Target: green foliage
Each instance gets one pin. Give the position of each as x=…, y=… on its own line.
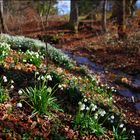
x=3, y=94
x=4, y=50
x=120, y=133
x=40, y=98
x=33, y=58
x=59, y=57
x=3, y=91
x=87, y=119
x=22, y=43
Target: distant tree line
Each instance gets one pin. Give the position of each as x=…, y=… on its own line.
x=121, y=10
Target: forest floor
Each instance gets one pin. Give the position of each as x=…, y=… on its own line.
x=102, y=49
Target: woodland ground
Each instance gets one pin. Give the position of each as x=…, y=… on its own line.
x=103, y=49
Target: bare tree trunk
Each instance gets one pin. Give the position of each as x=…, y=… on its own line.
x=104, y=16
x=121, y=18
x=48, y=11
x=74, y=15
x=132, y=7
x=1, y=17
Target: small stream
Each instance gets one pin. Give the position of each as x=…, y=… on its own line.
x=101, y=71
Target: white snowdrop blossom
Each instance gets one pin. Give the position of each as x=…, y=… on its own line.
x=93, y=107
x=133, y=138
x=124, y=129
x=5, y=79
x=132, y=131
x=19, y=105
x=12, y=87
x=12, y=82
x=82, y=107
x=49, y=77
x=60, y=86
x=24, y=60
x=87, y=108
x=102, y=112
x=85, y=100
x=112, y=117
x=111, y=121
x=96, y=116
x=20, y=92
x=79, y=103
x=121, y=125
x=42, y=77
x=38, y=78
x=37, y=73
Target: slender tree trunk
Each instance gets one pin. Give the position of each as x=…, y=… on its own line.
x=121, y=18
x=74, y=15
x=132, y=7
x=48, y=11
x=1, y=17
x=104, y=16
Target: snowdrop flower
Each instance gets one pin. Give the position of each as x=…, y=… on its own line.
x=102, y=113
x=12, y=82
x=38, y=78
x=111, y=121
x=96, y=116
x=12, y=87
x=124, y=129
x=115, y=90
x=132, y=131
x=20, y=92
x=87, y=108
x=133, y=138
x=5, y=79
x=82, y=107
x=24, y=60
x=80, y=103
x=42, y=77
x=112, y=117
x=94, y=107
x=121, y=125
x=37, y=73
x=49, y=77
x=60, y=86
x=85, y=100
x=19, y=105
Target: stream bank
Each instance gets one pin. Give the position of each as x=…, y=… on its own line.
x=125, y=85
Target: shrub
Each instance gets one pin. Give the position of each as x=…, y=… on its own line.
x=33, y=58
x=4, y=50
x=40, y=98
x=59, y=57
x=3, y=94
x=22, y=43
